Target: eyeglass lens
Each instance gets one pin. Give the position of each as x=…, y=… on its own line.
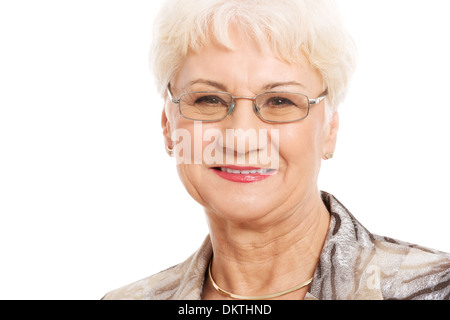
x=271, y=106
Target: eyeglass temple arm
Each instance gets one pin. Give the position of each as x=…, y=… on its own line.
x=319, y=99
x=170, y=96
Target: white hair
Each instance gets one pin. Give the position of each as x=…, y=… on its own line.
x=292, y=28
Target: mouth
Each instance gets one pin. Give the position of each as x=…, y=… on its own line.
x=244, y=174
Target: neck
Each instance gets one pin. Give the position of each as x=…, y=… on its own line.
x=269, y=256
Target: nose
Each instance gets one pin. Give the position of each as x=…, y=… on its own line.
x=247, y=106
x=242, y=114
x=241, y=126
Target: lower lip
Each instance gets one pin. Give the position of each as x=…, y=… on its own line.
x=244, y=178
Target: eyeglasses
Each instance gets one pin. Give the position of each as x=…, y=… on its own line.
x=273, y=106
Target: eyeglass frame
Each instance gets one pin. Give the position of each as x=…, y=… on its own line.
x=255, y=107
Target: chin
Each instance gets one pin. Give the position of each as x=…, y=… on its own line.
x=242, y=210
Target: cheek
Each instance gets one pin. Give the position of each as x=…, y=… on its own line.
x=188, y=139
x=300, y=161
x=192, y=140
x=300, y=146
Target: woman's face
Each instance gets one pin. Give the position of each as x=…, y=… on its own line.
x=247, y=71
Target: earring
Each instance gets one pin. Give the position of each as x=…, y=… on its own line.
x=328, y=156
x=169, y=151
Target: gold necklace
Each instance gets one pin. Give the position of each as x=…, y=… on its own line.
x=240, y=297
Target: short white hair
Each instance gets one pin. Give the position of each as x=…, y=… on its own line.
x=292, y=28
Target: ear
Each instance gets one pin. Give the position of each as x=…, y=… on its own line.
x=330, y=135
x=167, y=132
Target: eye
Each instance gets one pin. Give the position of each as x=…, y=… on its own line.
x=209, y=100
x=279, y=102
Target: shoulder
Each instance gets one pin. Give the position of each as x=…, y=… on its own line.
x=409, y=271
x=148, y=287
x=356, y=263
x=182, y=281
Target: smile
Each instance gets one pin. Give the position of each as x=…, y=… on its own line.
x=258, y=171
x=244, y=174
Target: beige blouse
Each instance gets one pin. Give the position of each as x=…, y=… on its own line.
x=354, y=264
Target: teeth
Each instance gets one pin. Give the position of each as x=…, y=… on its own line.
x=259, y=171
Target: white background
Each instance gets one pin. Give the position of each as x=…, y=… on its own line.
x=89, y=200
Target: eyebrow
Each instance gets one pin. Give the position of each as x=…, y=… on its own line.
x=222, y=87
x=218, y=85
x=272, y=85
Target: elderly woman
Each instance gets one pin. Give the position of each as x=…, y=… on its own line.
x=231, y=71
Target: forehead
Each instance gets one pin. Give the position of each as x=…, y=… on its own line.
x=245, y=66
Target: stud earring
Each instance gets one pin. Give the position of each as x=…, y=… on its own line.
x=328, y=156
x=169, y=151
